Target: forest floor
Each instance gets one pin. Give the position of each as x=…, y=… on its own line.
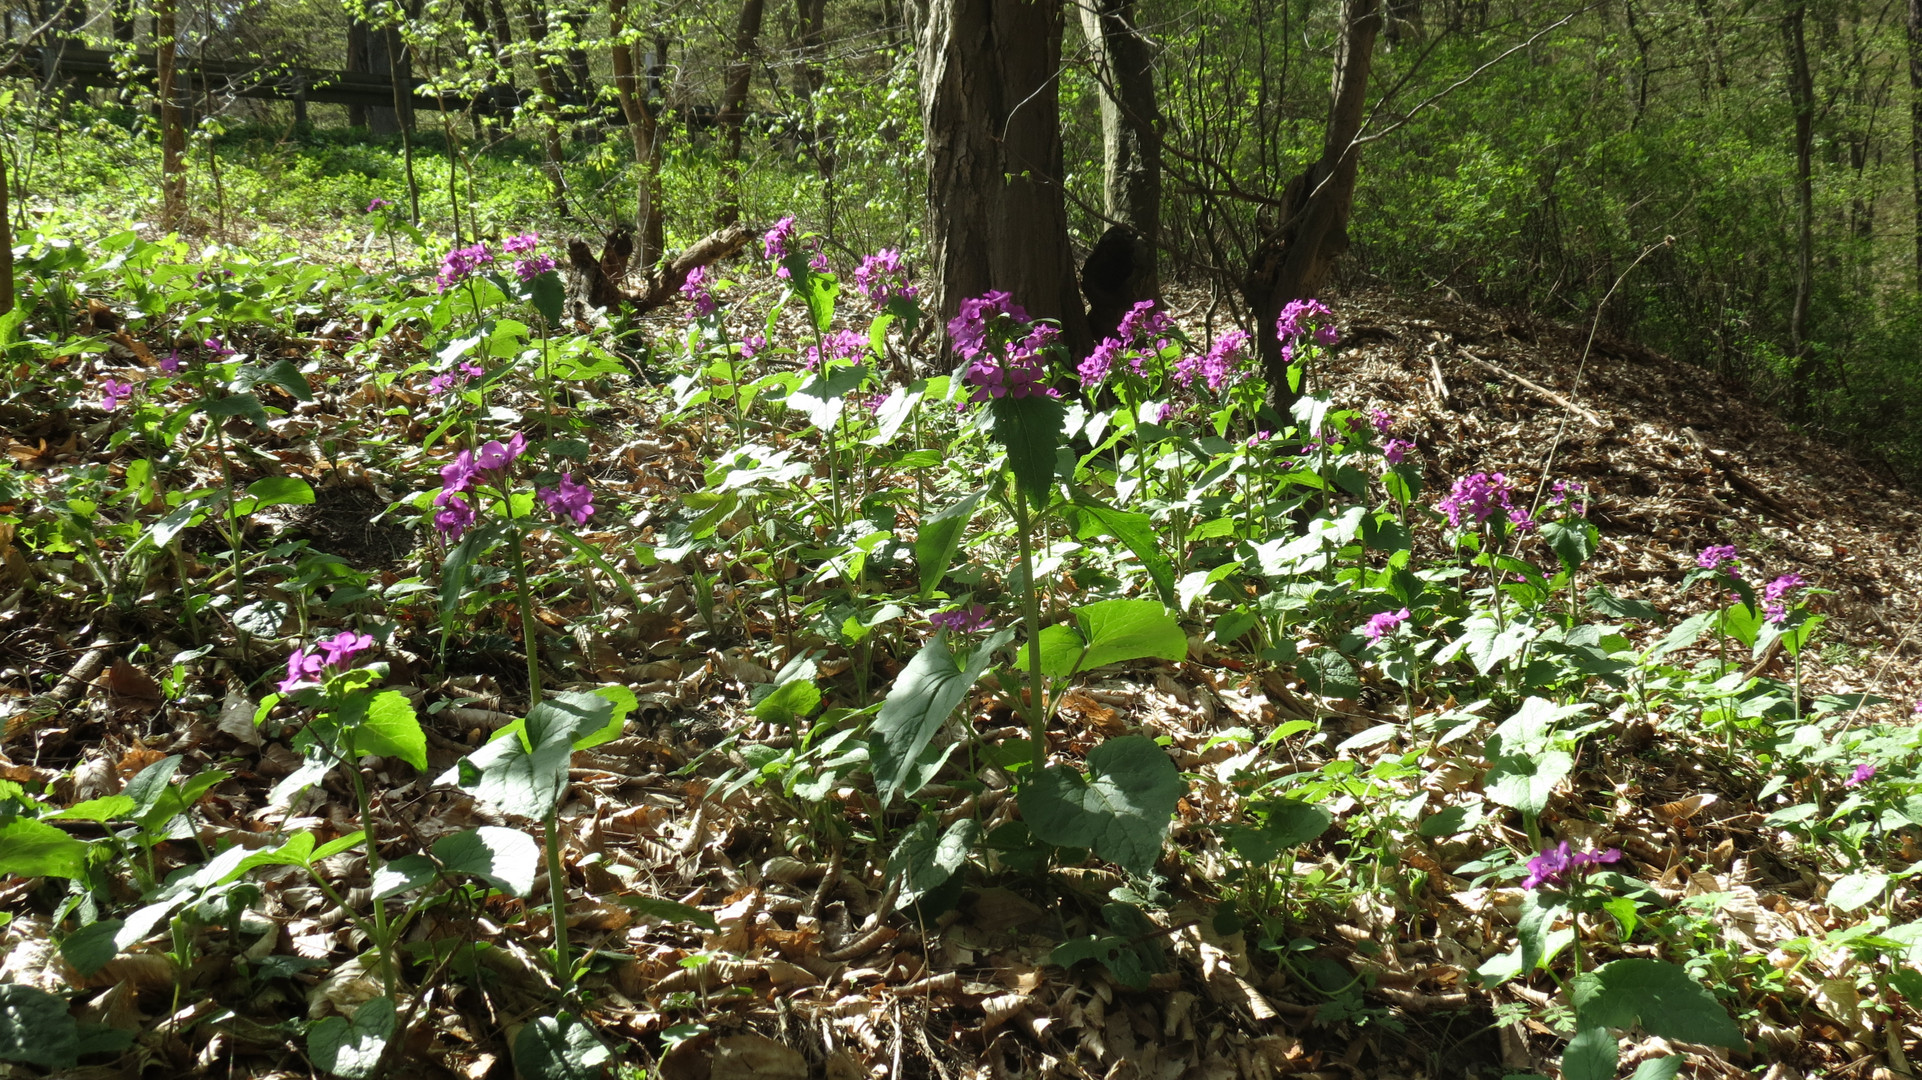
x=811, y=970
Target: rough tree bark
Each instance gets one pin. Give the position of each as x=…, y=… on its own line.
x=644, y=130
x=173, y=127
x=1130, y=131
x=740, y=71
x=1915, y=126
x=1802, y=101
x=1293, y=259
x=990, y=109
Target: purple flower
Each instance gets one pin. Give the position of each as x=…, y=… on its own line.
x=1862, y=774
x=1144, y=323
x=461, y=263
x=455, y=516
x=495, y=455
x=1381, y=419
x=1099, y=362
x=1383, y=623
x=969, y=329
x=881, y=278
x=695, y=289
x=303, y=670
x=515, y=245
x=1325, y=336
x=170, y=363
x=752, y=344
x=1294, y=322
x=1555, y=867
x=1395, y=450
x=378, y=204
x=819, y=263
x=533, y=266
x=774, y=243
x=840, y=345
x=570, y=499
x=1572, y=492
x=1221, y=364
x=1712, y=558
x=1476, y=497
x=342, y=646
x=962, y=620
x=113, y=392
x=216, y=349
x=458, y=475
x=456, y=378
x=1259, y=437
x=1775, y=596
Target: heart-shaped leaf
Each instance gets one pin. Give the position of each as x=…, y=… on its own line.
x=559, y=1048
x=507, y=859
x=1120, y=809
x=352, y=1049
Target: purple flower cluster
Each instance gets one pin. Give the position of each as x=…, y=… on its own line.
x=696, y=290
x=1145, y=323
x=1306, y=318
x=839, y=345
x=455, y=377
x=1476, y=497
x=1382, y=420
x=1383, y=623
x=1224, y=362
x=458, y=477
x=570, y=499
x=1099, y=362
x=1396, y=450
x=969, y=328
x=1775, y=596
x=461, y=263
x=1712, y=558
x=114, y=391
x=304, y=667
x=1023, y=373
x=528, y=266
x=962, y=620
x=1572, y=492
x=775, y=242
x=881, y=278
x=1555, y=867
x=378, y=204
x=1259, y=437
x=1863, y=774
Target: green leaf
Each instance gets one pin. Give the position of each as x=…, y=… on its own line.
x=242, y=405
x=1852, y=891
x=1526, y=783
x=1661, y=1068
x=104, y=808
x=1286, y=823
x=507, y=859
x=922, y=698
x=283, y=373
x=1029, y=429
x=1591, y=1055
x=1539, y=913
x=1662, y=997
x=1121, y=630
x=352, y=1049
x=29, y=848
x=671, y=911
x=1061, y=648
x=1136, y=532
x=453, y=580
x=405, y=874
x=389, y=728
x=939, y=538
x=549, y=296
x=1573, y=542
x=523, y=770
x=559, y=1048
x=36, y=1028
x=281, y=491
x=925, y=860
x=89, y=948
x=791, y=701
x=1607, y=603
x=1116, y=954
x=1120, y=809
x=1328, y=673
x=822, y=397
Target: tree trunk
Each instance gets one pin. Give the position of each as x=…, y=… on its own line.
x=1293, y=259
x=173, y=128
x=545, y=66
x=1130, y=131
x=733, y=109
x=1802, y=101
x=990, y=110
x=644, y=129
x=1915, y=126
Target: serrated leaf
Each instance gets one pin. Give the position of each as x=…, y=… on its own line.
x=1525, y=783
x=507, y=859
x=89, y=948
x=1660, y=996
x=36, y=1028
x=1136, y=533
x=559, y=1048
x=523, y=769
x=1852, y=891
x=549, y=295
x=925, y=859
x=1591, y=1055
x=1661, y=1068
x=1286, y=823
x=1029, y=428
x=1120, y=809
x=389, y=728
x=401, y=875
x=352, y=1049
x=1121, y=630
x=1328, y=673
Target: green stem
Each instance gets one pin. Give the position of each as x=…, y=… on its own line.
x=529, y=639
x=1031, y=620
x=381, y=940
x=557, y=899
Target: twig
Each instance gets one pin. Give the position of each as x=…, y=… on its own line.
x=1544, y=391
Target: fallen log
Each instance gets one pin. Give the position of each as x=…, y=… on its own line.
x=602, y=276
